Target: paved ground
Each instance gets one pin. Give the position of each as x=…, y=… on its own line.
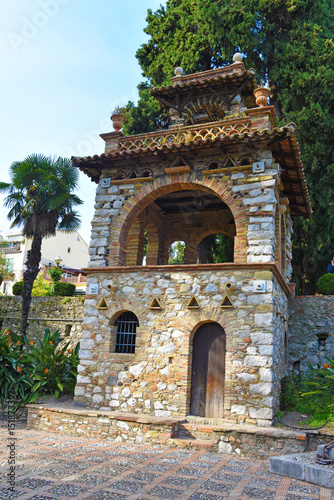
x=52, y=466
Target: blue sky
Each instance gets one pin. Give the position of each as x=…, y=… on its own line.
x=65, y=65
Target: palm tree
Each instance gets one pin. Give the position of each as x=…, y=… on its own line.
x=40, y=200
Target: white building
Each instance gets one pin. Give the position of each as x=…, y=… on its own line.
x=68, y=245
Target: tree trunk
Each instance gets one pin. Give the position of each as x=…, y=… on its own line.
x=29, y=276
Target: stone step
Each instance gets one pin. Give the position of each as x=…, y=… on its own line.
x=204, y=444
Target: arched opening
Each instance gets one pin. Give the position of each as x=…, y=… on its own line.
x=186, y=216
x=215, y=248
x=176, y=253
x=208, y=371
x=126, y=324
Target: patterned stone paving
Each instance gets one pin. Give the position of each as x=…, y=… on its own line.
x=51, y=466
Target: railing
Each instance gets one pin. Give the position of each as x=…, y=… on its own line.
x=11, y=248
x=74, y=279
x=185, y=135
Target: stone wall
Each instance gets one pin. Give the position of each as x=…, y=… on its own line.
x=57, y=313
x=311, y=331
x=156, y=379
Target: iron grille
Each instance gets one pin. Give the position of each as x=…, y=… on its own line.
x=126, y=324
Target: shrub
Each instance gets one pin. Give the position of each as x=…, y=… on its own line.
x=325, y=284
x=54, y=367
x=28, y=370
x=15, y=373
x=17, y=288
x=64, y=289
x=41, y=288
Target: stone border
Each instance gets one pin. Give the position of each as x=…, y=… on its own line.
x=228, y=438
x=293, y=466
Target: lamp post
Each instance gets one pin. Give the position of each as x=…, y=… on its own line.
x=58, y=260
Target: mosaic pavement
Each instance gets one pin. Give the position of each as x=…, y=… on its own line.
x=50, y=466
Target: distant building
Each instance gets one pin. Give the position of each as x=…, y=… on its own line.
x=68, y=246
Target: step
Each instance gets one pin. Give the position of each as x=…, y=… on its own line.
x=203, y=444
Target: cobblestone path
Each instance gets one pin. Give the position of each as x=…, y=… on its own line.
x=52, y=466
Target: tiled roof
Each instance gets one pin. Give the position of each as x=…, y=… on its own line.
x=281, y=141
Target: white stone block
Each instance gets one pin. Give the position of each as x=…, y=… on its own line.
x=161, y=386
x=262, y=389
x=264, y=413
x=258, y=361
x=132, y=402
x=268, y=402
x=83, y=380
x=85, y=354
x=158, y=405
x=266, y=374
x=238, y=409
x=163, y=413
x=166, y=348
x=266, y=350
x=114, y=403
x=123, y=425
x=263, y=319
x=87, y=344
x=79, y=391
x=126, y=392
x=246, y=377
x=136, y=369
x=97, y=399
x=225, y=448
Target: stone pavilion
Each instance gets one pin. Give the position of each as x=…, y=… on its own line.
x=201, y=339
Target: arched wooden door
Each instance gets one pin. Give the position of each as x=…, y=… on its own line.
x=208, y=371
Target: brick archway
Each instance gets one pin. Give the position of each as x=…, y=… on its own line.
x=146, y=194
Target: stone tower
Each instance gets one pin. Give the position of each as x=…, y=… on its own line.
x=205, y=339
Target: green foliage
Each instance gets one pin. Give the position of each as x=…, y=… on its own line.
x=322, y=382
x=15, y=374
x=28, y=370
x=41, y=288
x=53, y=365
x=325, y=284
x=290, y=44
x=294, y=397
x=55, y=273
x=5, y=273
x=17, y=288
x=64, y=289
x=176, y=253
x=220, y=248
x=40, y=200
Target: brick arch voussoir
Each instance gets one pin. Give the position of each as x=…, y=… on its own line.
x=147, y=194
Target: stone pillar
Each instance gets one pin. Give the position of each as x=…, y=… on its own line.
x=135, y=245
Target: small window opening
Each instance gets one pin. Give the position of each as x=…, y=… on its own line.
x=68, y=329
x=229, y=163
x=176, y=253
x=322, y=338
x=296, y=366
x=146, y=173
x=126, y=324
x=213, y=165
x=245, y=161
x=119, y=177
x=69, y=250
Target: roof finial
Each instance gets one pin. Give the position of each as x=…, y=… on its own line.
x=238, y=57
x=178, y=71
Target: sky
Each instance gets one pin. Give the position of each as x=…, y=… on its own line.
x=65, y=65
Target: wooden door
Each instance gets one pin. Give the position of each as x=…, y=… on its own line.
x=208, y=371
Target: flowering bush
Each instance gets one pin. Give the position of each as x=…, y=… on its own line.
x=28, y=370
x=323, y=382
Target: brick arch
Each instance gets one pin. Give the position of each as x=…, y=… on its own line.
x=212, y=101
x=148, y=193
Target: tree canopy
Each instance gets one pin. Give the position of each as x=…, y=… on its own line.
x=40, y=200
x=290, y=44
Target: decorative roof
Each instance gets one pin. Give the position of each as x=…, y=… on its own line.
x=223, y=135
x=226, y=83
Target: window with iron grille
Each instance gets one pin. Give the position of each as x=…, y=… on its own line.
x=126, y=324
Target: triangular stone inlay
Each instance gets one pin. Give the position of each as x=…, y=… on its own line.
x=226, y=302
x=155, y=304
x=102, y=304
x=179, y=161
x=193, y=304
